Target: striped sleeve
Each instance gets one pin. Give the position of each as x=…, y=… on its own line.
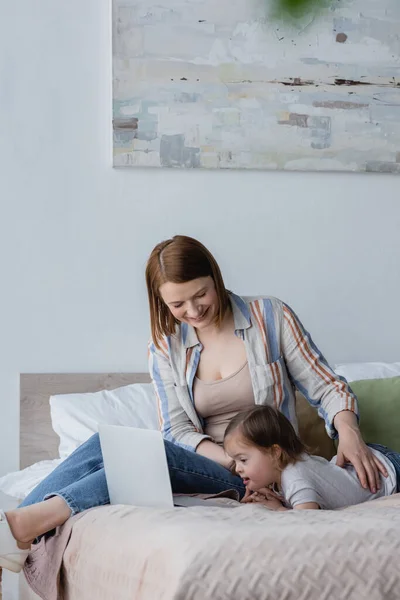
x=311, y=374
x=175, y=424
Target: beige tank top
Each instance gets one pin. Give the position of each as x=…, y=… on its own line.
x=217, y=402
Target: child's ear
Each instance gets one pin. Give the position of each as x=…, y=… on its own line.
x=277, y=451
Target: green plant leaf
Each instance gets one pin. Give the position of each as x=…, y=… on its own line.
x=295, y=9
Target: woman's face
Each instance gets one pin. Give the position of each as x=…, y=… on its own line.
x=194, y=302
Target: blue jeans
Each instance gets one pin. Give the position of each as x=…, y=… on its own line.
x=81, y=482
x=391, y=455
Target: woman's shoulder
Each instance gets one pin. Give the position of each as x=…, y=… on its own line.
x=259, y=309
x=255, y=299
x=258, y=301
x=161, y=346
x=167, y=343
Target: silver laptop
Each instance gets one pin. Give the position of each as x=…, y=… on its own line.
x=136, y=466
x=136, y=469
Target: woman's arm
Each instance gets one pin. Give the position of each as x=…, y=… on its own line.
x=352, y=449
x=331, y=396
x=175, y=423
x=312, y=375
x=211, y=450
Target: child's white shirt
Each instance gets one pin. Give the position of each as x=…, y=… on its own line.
x=314, y=479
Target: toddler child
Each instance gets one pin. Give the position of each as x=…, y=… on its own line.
x=267, y=454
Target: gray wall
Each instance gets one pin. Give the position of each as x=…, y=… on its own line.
x=75, y=234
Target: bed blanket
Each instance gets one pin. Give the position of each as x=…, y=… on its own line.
x=235, y=552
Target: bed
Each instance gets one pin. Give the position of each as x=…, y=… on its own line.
x=229, y=552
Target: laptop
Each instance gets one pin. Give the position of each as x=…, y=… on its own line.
x=136, y=466
x=136, y=469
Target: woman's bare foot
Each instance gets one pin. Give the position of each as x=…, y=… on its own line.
x=18, y=525
x=29, y=522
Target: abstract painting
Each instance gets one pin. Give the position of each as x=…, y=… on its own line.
x=218, y=84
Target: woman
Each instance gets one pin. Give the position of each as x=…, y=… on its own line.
x=212, y=354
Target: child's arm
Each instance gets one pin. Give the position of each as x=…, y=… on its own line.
x=266, y=497
x=271, y=501
x=300, y=489
x=307, y=506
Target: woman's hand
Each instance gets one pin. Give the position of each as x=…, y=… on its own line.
x=266, y=497
x=352, y=449
x=214, y=452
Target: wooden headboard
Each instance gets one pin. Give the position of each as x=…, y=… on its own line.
x=37, y=438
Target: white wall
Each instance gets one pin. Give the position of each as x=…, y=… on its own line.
x=75, y=234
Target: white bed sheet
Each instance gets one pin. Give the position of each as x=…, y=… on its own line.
x=20, y=483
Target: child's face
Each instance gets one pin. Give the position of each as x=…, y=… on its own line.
x=257, y=469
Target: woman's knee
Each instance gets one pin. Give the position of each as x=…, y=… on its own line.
x=170, y=448
x=88, y=451
x=93, y=443
x=95, y=439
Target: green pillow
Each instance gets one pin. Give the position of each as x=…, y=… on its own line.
x=379, y=405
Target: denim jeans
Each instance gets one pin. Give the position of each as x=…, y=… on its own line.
x=391, y=455
x=81, y=482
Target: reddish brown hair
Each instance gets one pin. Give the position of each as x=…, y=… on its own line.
x=265, y=427
x=179, y=260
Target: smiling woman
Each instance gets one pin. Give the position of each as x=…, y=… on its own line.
x=183, y=276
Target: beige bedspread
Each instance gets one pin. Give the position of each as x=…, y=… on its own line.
x=244, y=552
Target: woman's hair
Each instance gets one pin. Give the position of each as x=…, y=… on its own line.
x=264, y=427
x=179, y=260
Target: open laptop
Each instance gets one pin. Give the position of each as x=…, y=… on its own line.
x=136, y=466
x=136, y=469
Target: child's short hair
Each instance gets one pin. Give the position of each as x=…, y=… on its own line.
x=264, y=426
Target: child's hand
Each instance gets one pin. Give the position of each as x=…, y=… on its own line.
x=247, y=497
x=266, y=497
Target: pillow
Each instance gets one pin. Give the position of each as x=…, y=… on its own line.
x=312, y=430
x=20, y=483
x=379, y=405
x=76, y=417
x=368, y=370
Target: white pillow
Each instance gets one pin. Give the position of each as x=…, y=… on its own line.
x=368, y=370
x=76, y=417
